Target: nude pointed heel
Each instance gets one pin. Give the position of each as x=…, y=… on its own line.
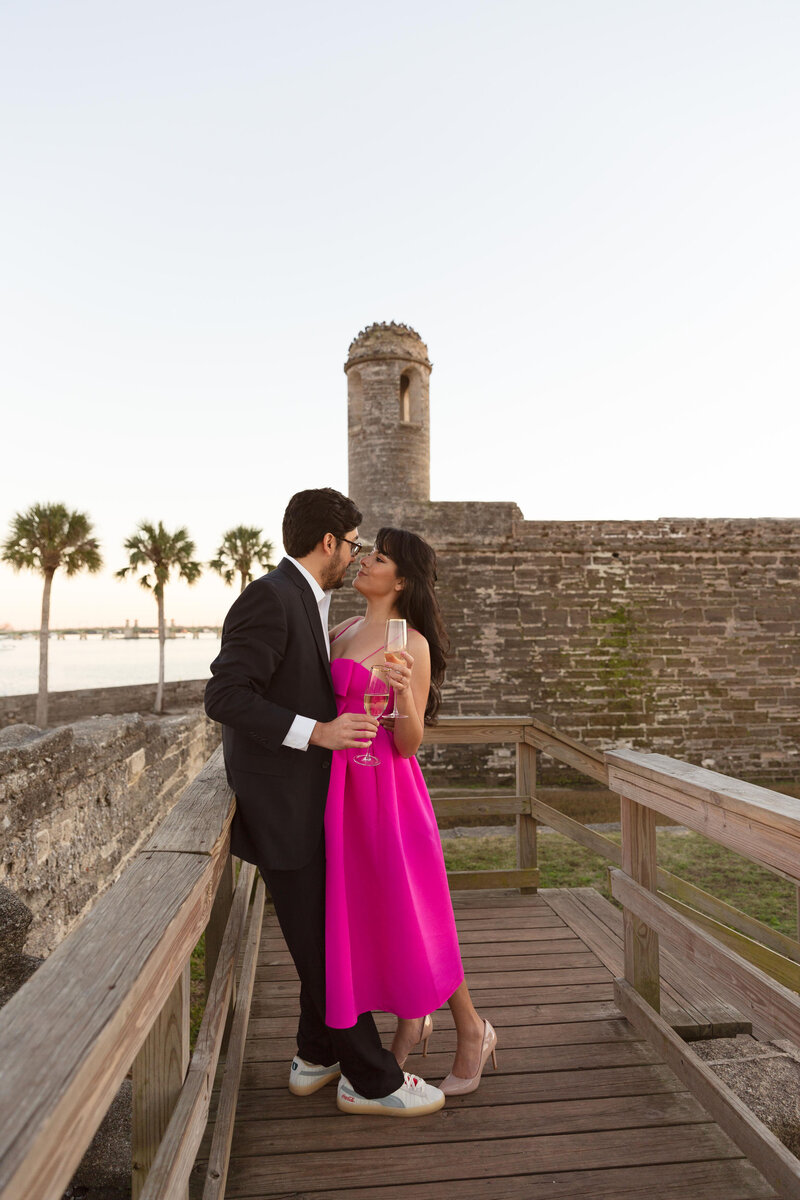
x=424, y=1038
x=454, y=1085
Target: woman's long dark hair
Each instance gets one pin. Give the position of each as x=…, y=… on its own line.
x=417, y=602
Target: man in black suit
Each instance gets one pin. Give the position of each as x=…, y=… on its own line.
x=271, y=690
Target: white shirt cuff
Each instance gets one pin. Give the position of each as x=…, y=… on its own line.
x=299, y=733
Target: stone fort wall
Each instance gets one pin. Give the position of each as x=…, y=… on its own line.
x=676, y=636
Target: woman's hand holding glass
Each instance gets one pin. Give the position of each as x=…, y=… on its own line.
x=398, y=674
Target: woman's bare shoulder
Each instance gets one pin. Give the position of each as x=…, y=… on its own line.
x=345, y=624
x=418, y=644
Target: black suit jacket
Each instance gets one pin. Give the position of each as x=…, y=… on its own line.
x=273, y=664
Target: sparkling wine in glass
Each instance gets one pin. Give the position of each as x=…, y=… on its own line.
x=393, y=642
x=376, y=697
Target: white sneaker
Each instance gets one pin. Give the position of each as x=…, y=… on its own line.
x=305, y=1077
x=414, y=1098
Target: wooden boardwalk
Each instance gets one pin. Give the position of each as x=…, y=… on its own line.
x=579, y=1107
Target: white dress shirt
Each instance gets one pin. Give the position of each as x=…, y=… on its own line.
x=302, y=727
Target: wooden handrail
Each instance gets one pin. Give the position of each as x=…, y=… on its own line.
x=757, y=823
x=97, y=996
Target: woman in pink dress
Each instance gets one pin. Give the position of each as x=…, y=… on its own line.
x=390, y=938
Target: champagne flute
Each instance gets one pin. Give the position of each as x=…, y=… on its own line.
x=394, y=642
x=376, y=697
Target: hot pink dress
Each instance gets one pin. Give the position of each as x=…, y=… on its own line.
x=390, y=934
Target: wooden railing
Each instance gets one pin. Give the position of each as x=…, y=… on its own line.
x=115, y=995
x=116, y=991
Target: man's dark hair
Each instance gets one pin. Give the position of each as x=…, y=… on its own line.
x=311, y=514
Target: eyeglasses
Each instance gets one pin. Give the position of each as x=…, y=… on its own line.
x=356, y=546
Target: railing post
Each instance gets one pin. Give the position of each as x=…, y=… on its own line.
x=527, y=851
x=159, y=1070
x=215, y=929
x=642, y=971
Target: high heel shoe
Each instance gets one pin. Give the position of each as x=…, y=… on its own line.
x=454, y=1085
x=424, y=1038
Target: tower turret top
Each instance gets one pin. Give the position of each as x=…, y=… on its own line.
x=387, y=339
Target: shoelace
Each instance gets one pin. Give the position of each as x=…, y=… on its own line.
x=412, y=1081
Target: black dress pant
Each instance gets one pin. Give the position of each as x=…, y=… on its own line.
x=299, y=898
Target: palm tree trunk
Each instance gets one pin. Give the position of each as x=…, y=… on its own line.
x=244, y=581
x=44, y=645
x=162, y=636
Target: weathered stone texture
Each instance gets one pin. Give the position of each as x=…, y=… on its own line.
x=76, y=802
x=676, y=636
x=64, y=707
x=388, y=416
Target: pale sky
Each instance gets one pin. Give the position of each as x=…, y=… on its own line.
x=587, y=208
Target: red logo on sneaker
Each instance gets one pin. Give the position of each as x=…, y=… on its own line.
x=349, y=1099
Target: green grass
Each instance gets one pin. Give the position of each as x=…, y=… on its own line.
x=563, y=863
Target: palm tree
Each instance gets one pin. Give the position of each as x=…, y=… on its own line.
x=44, y=538
x=153, y=548
x=239, y=549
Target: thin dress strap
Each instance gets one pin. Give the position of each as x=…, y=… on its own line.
x=361, y=661
x=341, y=631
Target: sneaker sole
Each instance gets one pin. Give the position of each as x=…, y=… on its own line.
x=371, y=1110
x=309, y=1088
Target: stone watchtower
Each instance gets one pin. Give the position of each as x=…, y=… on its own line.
x=388, y=409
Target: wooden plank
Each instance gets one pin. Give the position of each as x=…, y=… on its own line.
x=331, y=1133
x=218, y=922
x=497, y=1089
x=524, y=1061
x=589, y=838
x=450, y=731
x=565, y=749
x=310, y=1171
x=503, y=900
x=526, y=825
x=473, y=950
x=276, y=999
x=728, y=1179
x=61, y=1075
x=169, y=1174
x=589, y=1013
x=480, y=806
x=753, y=835
x=500, y=903
x=777, y=1164
x=505, y=966
x=202, y=815
x=280, y=1050
x=219, y=1157
x=723, y=792
x=770, y=1004
x=642, y=967
x=775, y=965
x=279, y=1044
x=462, y=880
x=545, y=921
x=671, y=887
x=158, y=1073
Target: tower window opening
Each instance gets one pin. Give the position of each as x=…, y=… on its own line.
x=405, y=399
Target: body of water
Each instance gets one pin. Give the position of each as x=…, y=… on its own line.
x=101, y=662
